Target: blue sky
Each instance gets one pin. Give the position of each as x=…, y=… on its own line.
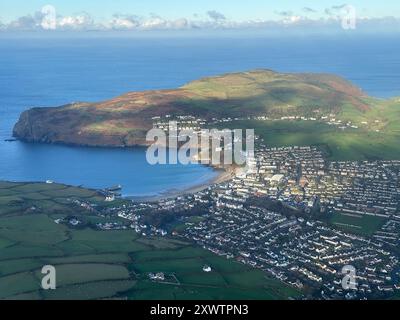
x=177, y=14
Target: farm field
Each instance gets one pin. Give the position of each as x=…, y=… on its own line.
x=339, y=145
x=94, y=264
x=227, y=280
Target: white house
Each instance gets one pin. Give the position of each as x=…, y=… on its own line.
x=207, y=268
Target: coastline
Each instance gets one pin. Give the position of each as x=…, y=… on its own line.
x=223, y=175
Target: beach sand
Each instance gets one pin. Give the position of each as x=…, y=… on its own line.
x=223, y=175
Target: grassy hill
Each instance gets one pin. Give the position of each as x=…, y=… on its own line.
x=262, y=91
x=124, y=121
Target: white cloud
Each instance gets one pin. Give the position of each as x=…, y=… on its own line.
x=79, y=22
x=209, y=20
x=121, y=22
x=39, y=21
x=28, y=22
x=293, y=19
x=180, y=24
x=154, y=23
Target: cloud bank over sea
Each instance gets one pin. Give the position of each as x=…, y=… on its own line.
x=307, y=19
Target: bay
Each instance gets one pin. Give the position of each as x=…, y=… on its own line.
x=52, y=71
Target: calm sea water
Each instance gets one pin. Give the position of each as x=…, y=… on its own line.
x=50, y=72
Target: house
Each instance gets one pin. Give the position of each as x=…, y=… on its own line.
x=207, y=268
x=277, y=178
x=157, y=277
x=110, y=198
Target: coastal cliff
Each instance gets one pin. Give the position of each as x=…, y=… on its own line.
x=124, y=120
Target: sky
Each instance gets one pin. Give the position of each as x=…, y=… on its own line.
x=188, y=14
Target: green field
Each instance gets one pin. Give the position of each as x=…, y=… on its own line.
x=228, y=279
x=94, y=264
x=344, y=145
x=364, y=224
x=21, y=198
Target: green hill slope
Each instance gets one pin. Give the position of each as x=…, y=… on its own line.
x=124, y=120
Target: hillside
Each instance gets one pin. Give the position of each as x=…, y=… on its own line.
x=124, y=120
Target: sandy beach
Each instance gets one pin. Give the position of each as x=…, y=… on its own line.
x=223, y=175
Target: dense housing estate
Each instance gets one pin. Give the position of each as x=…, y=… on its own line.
x=295, y=215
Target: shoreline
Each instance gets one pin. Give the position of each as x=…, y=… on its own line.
x=223, y=175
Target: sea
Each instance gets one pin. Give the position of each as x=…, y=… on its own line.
x=48, y=71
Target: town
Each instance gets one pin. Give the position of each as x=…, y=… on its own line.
x=293, y=214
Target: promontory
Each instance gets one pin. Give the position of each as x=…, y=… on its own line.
x=123, y=121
